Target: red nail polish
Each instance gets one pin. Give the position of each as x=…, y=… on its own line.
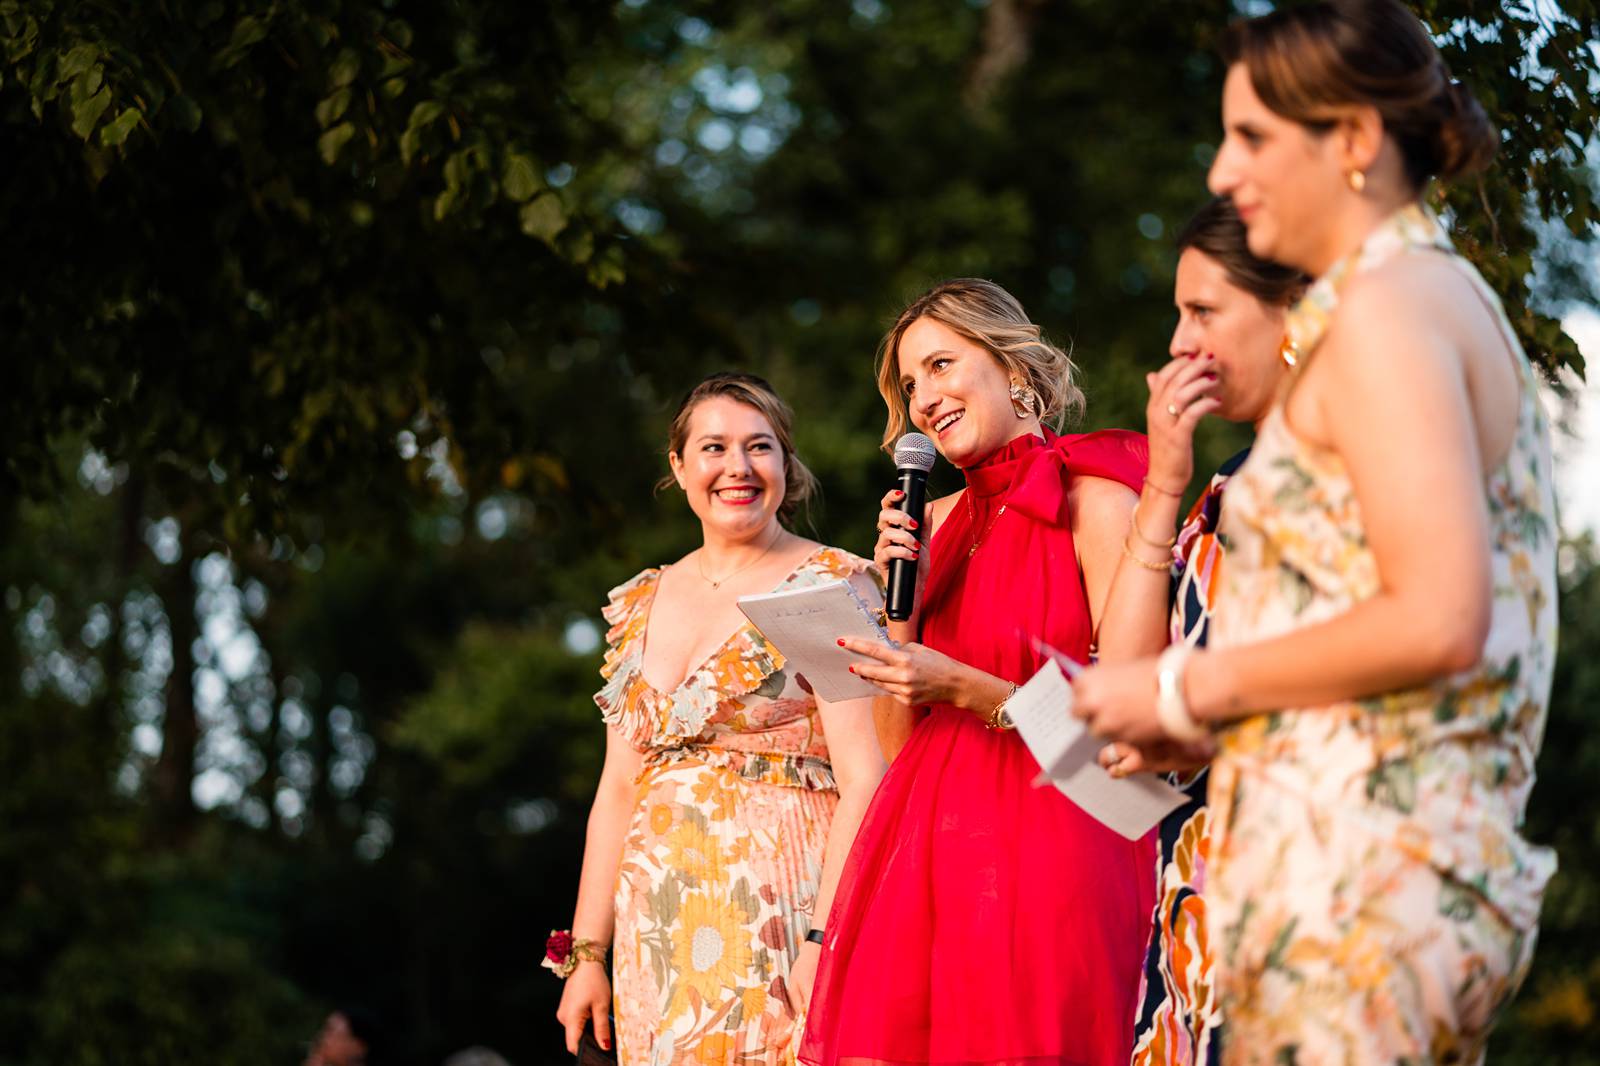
x=852, y=669
x=841, y=642
x=912, y=523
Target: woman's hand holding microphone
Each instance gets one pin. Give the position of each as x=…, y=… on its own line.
x=912, y=673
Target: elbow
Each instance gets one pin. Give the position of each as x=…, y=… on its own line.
x=1458, y=645
x=1455, y=656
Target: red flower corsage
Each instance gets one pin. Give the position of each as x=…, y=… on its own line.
x=563, y=952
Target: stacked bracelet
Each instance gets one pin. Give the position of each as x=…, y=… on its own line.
x=1133, y=520
x=563, y=952
x=1126, y=550
x=1164, y=492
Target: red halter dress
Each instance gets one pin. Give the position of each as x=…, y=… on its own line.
x=980, y=919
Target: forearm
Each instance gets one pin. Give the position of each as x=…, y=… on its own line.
x=1380, y=645
x=847, y=817
x=980, y=692
x=1134, y=622
x=594, y=917
x=893, y=722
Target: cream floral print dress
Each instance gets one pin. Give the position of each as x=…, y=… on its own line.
x=1369, y=896
x=723, y=859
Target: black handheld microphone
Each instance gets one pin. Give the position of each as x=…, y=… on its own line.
x=914, y=456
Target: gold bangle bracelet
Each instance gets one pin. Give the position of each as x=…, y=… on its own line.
x=1148, y=566
x=1133, y=520
x=1164, y=492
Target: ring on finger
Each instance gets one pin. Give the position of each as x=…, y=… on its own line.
x=1172, y=409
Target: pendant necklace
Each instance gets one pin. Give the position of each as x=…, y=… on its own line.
x=719, y=582
x=972, y=512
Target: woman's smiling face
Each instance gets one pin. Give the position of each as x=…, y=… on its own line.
x=731, y=468
x=957, y=392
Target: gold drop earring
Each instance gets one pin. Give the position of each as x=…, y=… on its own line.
x=1357, y=180
x=1289, y=352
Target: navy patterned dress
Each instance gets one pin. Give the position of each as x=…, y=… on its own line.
x=1179, y=1019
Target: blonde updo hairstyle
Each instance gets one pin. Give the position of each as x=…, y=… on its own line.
x=800, y=484
x=991, y=318
x=1307, y=62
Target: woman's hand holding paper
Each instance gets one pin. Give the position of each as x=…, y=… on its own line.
x=916, y=675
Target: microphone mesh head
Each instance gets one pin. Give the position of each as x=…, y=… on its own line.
x=915, y=451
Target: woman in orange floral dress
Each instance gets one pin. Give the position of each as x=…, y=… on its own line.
x=730, y=794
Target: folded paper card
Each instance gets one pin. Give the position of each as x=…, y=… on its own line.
x=805, y=624
x=1042, y=710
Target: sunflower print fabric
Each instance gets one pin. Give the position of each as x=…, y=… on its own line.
x=1369, y=896
x=723, y=857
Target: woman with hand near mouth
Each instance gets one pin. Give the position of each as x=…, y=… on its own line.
x=981, y=919
x=730, y=794
x=1380, y=664
x=1230, y=356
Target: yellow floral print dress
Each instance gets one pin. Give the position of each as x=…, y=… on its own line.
x=1369, y=896
x=723, y=858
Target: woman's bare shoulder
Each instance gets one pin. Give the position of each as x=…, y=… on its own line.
x=940, y=509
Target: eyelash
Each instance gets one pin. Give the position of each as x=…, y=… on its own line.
x=761, y=445
x=911, y=386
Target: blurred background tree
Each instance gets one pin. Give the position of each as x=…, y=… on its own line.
x=341, y=340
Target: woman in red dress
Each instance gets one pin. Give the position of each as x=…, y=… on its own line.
x=980, y=919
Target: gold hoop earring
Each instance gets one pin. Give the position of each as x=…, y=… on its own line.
x=1289, y=352
x=1357, y=179
x=1023, y=399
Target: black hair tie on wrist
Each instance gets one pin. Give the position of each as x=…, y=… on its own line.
x=814, y=936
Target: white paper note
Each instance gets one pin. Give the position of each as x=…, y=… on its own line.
x=805, y=624
x=1042, y=710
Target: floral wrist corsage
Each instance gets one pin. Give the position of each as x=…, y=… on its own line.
x=563, y=952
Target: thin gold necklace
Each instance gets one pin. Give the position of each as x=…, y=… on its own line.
x=972, y=513
x=719, y=582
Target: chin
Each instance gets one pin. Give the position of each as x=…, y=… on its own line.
x=1260, y=240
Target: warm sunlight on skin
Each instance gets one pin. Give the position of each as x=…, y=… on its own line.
x=958, y=393
x=1217, y=318
x=731, y=469
x=1280, y=176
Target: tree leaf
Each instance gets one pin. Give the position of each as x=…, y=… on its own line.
x=344, y=69
x=521, y=179
x=543, y=218
x=332, y=107
x=77, y=61
x=424, y=113
x=116, y=131
x=399, y=32
x=331, y=143
x=87, y=84
x=86, y=114
x=445, y=202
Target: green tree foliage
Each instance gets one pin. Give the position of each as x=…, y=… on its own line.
x=341, y=336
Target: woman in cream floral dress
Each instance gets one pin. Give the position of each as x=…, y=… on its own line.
x=1383, y=643
x=729, y=799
